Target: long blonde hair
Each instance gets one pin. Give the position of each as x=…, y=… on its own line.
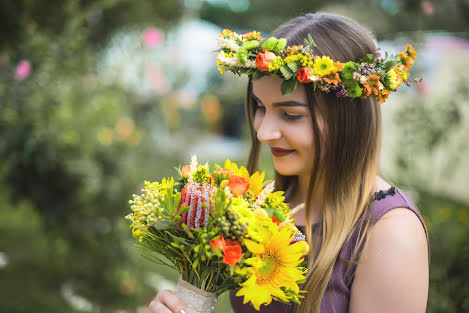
x=351, y=144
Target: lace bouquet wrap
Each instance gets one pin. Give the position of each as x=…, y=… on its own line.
x=221, y=229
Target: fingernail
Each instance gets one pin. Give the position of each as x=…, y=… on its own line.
x=182, y=311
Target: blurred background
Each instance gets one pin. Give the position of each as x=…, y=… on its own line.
x=98, y=96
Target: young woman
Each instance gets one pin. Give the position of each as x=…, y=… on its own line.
x=370, y=249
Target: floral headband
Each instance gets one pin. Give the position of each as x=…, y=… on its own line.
x=250, y=54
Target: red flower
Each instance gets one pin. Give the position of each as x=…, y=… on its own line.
x=238, y=184
x=185, y=170
x=264, y=59
x=275, y=220
x=218, y=244
x=305, y=74
x=232, y=253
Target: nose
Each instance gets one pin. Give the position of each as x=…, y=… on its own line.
x=268, y=129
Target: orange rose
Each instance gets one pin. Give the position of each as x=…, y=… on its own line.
x=232, y=254
x=264, y=59
x=223, y=171
x=306, y=75
x=185, y=170
x=218, y=244
x=238, y=184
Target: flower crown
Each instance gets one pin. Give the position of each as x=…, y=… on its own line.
x=250, y=54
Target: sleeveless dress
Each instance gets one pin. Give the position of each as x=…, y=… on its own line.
x=337, y=295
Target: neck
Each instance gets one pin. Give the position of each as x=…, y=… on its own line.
x=316, y=204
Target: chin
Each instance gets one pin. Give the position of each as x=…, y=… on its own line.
x=285, y=169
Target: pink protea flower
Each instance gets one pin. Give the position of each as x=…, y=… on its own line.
x=152, y=37
x=23, y=69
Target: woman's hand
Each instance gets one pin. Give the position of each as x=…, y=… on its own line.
x=166, y=301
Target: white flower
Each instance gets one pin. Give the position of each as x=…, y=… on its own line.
x=363, y=79
x=315, y=78
x=233, y=61
x=193, y=166
x=265, y=192
x=227, y=43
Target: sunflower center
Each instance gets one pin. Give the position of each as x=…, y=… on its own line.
x=269, y=267
x=324, y=66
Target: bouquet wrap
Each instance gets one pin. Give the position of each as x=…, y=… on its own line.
x=195, y=299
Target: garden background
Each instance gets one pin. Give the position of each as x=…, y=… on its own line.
x=98, y=96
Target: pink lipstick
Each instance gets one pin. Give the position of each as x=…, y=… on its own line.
x=279, y=152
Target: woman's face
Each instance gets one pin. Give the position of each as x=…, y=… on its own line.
x=284, y=123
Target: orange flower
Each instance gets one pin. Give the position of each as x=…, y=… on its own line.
x=337, y=67
x=383, y=95
x=238, y=185
x=185, y=170
x=232, y=253
x=306, y=75
x=218, y=244
x=264, y=59
x=223, y=171
x=410, y=51
x=373, y=80
x=293, y=49
x=332, y=78
x=252, y=35
x=366, y=91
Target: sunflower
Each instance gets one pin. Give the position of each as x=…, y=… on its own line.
x=274, y=266
x=323, y=65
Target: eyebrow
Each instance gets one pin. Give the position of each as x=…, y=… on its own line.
x=287, y=103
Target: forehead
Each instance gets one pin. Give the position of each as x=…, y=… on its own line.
x=267, y=89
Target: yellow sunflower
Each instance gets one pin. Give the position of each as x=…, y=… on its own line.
x=323, y=65
x=273, y=266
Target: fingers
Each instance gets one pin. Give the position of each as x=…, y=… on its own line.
x=167, y=302
x=158, y=307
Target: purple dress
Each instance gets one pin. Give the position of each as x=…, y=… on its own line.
x=337, y=295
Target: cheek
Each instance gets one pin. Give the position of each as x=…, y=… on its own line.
x=257, y=120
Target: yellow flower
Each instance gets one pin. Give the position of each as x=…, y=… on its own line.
x=241, y=206
x=276, y=63
x=242, y=171
x=273, y=267
x=323, y=65
x=392, y=77
x=257, y=183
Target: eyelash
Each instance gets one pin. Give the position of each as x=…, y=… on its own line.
x=289, y=117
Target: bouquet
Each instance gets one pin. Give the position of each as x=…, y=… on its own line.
x=221, y=229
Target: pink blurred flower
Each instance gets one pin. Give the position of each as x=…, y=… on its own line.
x=152, y=37
x=22, y=70
x=423, y=89
x=427, y=7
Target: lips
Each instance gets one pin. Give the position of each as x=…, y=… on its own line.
x=279, y=152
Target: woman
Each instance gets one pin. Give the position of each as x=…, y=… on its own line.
x=370, y=250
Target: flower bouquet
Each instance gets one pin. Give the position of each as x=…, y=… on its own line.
x=221, y=229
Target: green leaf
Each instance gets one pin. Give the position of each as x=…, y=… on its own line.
x=164, y=224
x=369, y=58
x=309, y=42
x=257, y=75
x=293, y=66
x=286, y=72
x=288, y=86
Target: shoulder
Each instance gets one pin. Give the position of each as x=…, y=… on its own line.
x=392, y=274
